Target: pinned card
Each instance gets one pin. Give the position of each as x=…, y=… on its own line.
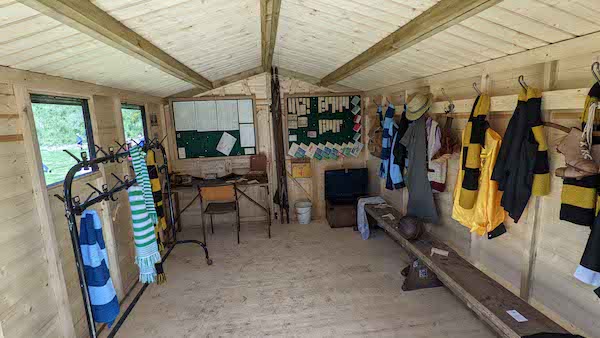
x=357, y=118
x=312, y=149
x=293, y=138
x=357, y=127
x=303, y=122
x=319, y=152
x=293, y=149
x=356, y=137
x=355, y=100
x=292, y=124
x=311, y=134
x=356, y=110
x=358, y=147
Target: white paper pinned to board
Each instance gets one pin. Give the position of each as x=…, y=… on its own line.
x=226, y=144
x=181, y=152
x=227, y=115
x=247, y=137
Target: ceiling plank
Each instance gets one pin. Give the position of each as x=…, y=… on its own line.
x=439, y=17
x=220, y=83
x=85, y=17
x=269, y=22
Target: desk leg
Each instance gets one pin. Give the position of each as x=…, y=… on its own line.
x=268, y=211
x=177, y=211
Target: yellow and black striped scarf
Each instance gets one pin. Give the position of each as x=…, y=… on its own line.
x=541, y=168
x=579, y=198
x=473, y=141
x=156, y=191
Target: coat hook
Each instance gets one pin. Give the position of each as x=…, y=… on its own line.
x=522, y=82
x=476, y=89
x=450, y=108
x=596, y=70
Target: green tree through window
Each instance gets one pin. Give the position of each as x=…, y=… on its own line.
x=133, y=122
x=61, y=125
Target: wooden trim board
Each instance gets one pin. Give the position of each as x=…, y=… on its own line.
x=483, y=295
x=269, y=20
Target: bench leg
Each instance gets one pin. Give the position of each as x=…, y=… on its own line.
x=212, y=228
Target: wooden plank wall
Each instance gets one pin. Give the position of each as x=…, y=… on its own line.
x=536, y=259
x=40, y=298
x=299, y=189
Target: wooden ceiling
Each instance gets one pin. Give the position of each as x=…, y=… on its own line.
x=218, y=39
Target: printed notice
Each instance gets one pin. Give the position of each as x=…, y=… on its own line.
x=181, y=152
x=517, y=316
x=226, y=144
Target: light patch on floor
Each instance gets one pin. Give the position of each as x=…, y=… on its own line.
x=307, y=281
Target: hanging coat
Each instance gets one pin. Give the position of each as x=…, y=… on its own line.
x=486, y=215
x=420, y=195
x=522, y=167
x=389, y=170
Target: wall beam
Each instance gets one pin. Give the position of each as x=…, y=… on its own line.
x=87, y=18
x=439, y=17
x=269, y=22
x=221, y=83
x=560, y=50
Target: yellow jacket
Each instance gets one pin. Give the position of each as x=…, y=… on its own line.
x=487, y=213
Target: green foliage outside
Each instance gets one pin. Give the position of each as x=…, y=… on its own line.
x=132, y=123
x=57, y=129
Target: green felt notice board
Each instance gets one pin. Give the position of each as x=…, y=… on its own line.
x=323, y=108
x=202, y=123
x=204, y=144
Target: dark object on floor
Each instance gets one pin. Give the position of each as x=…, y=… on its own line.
x=419, y=277
x=553, y=335
x=343, y=188
x=341, y=214
x=411, y=227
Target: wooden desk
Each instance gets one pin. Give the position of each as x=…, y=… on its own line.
x=241, y=187
x=483, y=295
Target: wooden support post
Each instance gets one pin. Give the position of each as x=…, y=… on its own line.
x=56, y=277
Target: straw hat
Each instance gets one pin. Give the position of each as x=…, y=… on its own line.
x=418, y=104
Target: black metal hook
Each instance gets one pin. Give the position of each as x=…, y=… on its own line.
x=89, y=197
x=596, y=70
x=73, y=156
x=476, y=88
x=62, y=199
x=117, y=177
x=100, y=150
x=522, y=82
x=95, y=189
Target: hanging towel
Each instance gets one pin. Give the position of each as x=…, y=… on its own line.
x=103, y=298
x=361, y=215
x=141, y=174
x=146, y=248
x=437, y=168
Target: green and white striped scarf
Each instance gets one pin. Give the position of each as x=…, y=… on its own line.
x=141, y=175
x=146, y=248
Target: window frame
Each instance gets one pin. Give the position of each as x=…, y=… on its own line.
x=142, y=108
x=84, y=103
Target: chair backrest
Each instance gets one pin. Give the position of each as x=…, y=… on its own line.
x=224, y=193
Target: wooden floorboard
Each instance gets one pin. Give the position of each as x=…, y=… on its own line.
x=308, y=280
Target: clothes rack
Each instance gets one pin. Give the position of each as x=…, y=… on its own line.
x=75, y=207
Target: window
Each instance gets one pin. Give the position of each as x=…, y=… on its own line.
x=62, y=123
x=134, y=122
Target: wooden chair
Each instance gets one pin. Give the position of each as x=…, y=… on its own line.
x=220, y=200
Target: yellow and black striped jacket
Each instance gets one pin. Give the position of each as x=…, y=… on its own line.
x=579, y=198
x=473, y=141
x=522, y=168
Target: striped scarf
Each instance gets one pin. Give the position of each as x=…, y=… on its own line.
x=146, y=248
x=156, y=190
x=141, y=175
x=103, y=298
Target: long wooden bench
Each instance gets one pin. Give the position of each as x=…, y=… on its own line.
x=486, y=297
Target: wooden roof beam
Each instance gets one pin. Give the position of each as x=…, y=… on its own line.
x=269, y=22
x=87, y=18
x=439, y=17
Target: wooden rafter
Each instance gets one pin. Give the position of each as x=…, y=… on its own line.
x=269, y=22
x=439, y=17
x=87, y=18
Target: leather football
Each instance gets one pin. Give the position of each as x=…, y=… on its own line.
x=410, y=227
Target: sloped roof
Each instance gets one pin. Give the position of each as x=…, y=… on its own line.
x=218, y=39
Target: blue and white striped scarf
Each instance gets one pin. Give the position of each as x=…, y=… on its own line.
x=103, y=298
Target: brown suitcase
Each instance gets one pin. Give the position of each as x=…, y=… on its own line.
x=341, y=215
